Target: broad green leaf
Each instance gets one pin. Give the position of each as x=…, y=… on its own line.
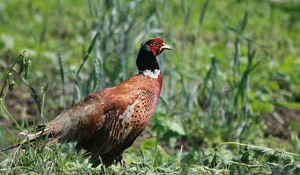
x=176, y=127
x=149, y=144
x=290, y=105
x=261, y=106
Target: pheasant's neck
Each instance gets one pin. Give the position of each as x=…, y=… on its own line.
x=147, y=62
x=148, y=65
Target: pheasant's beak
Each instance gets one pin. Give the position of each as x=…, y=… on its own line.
x=165, y=46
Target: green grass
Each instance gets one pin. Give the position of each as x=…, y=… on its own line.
x=235, y=66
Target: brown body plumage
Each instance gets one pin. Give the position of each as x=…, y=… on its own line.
x=108, y=121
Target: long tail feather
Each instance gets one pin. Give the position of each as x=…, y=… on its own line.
x=40, y=135
x=11, y=147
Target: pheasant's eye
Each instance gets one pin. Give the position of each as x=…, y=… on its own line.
x=154, y=44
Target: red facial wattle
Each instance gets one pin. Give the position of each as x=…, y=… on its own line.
x=155, y=50
x=157, y=46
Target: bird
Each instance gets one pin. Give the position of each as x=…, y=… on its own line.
x=108, y=121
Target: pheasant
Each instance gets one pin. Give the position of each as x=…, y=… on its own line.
x=108, y=121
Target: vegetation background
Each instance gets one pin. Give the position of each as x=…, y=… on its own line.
x=230, y=102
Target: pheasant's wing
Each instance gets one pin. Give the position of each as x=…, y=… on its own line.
x=103, y=125
x=124, y=120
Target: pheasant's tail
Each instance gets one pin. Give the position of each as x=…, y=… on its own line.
x=11, y=147
x=41, y=136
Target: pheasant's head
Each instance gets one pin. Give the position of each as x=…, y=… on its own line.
x=156, y=46
x=149, y=50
